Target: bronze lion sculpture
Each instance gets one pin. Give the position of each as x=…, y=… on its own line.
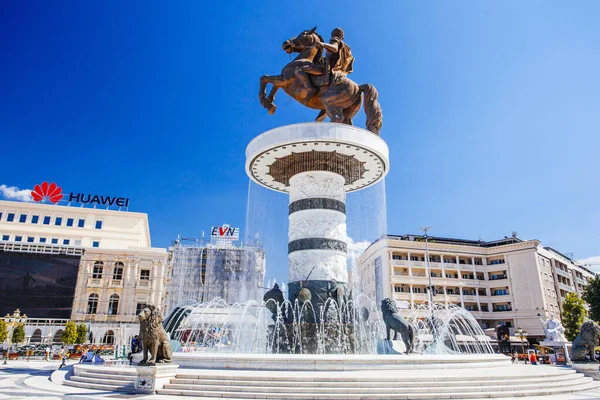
x=155, y=339
x=394, y=321
x=585, y=342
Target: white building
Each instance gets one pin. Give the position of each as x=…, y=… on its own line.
x=507, y=281
x=90, y=265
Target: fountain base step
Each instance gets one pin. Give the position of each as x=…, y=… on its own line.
x=497, y=380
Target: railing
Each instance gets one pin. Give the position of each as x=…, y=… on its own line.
x=115, y=283
x=563, y=273
x=94, y=282
x=566, y=287
x=581, y=281
x=418, y=263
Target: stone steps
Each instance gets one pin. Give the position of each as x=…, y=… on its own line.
x=404, y=382
x=86, y=374
x=97, y=386
x=463, y=387
x=104, y=381
x=432, y=394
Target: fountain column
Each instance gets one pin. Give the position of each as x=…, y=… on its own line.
x=317, y=163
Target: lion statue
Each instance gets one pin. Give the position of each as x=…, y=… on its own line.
x=585, y=342
x=155, y=339
x=394, y=321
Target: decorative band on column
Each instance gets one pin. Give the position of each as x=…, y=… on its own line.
x=319, y=203
x=317, y=244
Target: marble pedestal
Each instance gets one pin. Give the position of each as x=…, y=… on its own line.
x=152, y=378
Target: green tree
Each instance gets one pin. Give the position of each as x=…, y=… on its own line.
x=81, y=334
x=69, y=335
x=18, y=334
x=3, y=330
x=573, y=315
x=592, y=296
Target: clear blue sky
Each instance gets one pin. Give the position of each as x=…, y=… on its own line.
x=491, y=109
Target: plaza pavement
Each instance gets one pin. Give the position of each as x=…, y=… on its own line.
x=22, y=379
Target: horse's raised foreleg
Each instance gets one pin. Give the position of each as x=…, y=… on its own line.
x=321, y=116
x=267, y=102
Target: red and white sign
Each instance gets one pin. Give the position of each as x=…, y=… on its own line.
x=224, y=232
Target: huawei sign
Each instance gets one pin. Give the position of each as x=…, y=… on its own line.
x=50, y=191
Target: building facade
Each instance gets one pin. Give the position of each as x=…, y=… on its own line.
x=203, y=272
x=91, y=265
x=510, y=281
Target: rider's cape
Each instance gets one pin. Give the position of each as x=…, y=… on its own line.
x=344, y=57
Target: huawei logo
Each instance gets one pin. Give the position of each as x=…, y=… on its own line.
x=51, y=191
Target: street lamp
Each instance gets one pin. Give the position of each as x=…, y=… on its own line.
x=522, y=335
x=430, y=288
x=11, y=321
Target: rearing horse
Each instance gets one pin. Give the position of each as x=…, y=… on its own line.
x=339, y=101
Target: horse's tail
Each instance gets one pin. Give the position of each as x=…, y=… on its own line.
x=411, y=338
x=372, y=108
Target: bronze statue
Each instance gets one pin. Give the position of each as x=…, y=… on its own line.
x=585, y=343
x=155, y=339
x=322, y=84
x=394, y=321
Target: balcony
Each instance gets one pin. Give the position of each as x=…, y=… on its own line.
x=435, y=264
x=418, y=263
x=563, y=273
x=94, y=282
x=566, y=287
x=144, y=284
x=581, y=281
x=420, y=296
x=400, y=263
x=115, y=283
x=470, y=298
x=453, y=298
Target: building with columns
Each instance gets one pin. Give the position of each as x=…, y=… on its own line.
x=510, y=281
x=94, y=266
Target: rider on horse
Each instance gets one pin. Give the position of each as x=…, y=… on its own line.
x=339, y=62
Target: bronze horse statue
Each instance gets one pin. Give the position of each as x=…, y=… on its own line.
x=338, y=99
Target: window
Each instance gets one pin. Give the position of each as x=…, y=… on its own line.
x=35, y=219
x=23, y=218
x=92, y=307
x=139, y=307
x=77, y=242
x=81, y=223
x=66, y=241
x=118, y=271
x=145, y=275
x=5, y=237
x=42, y=240
x=95, y=244
x=69, y=221
x=54, y=241
x=97, y=272
x=18, y=238
x=46, y=220
x=10, y=217
x=30, y=239
x=113, y=304
x=98, y=225
x=58, y=221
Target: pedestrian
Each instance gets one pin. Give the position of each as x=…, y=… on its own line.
x=65, y=357
x=514, y=357
x=533, y=358
x=48, y=349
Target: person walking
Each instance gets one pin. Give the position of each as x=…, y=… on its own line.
x=48, y=349
x=533, y=358
x=65, y=356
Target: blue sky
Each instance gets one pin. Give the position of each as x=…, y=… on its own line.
x=491, y=109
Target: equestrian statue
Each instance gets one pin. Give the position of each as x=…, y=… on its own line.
x=321, y=83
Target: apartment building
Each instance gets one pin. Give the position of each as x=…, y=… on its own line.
x=509, y=281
